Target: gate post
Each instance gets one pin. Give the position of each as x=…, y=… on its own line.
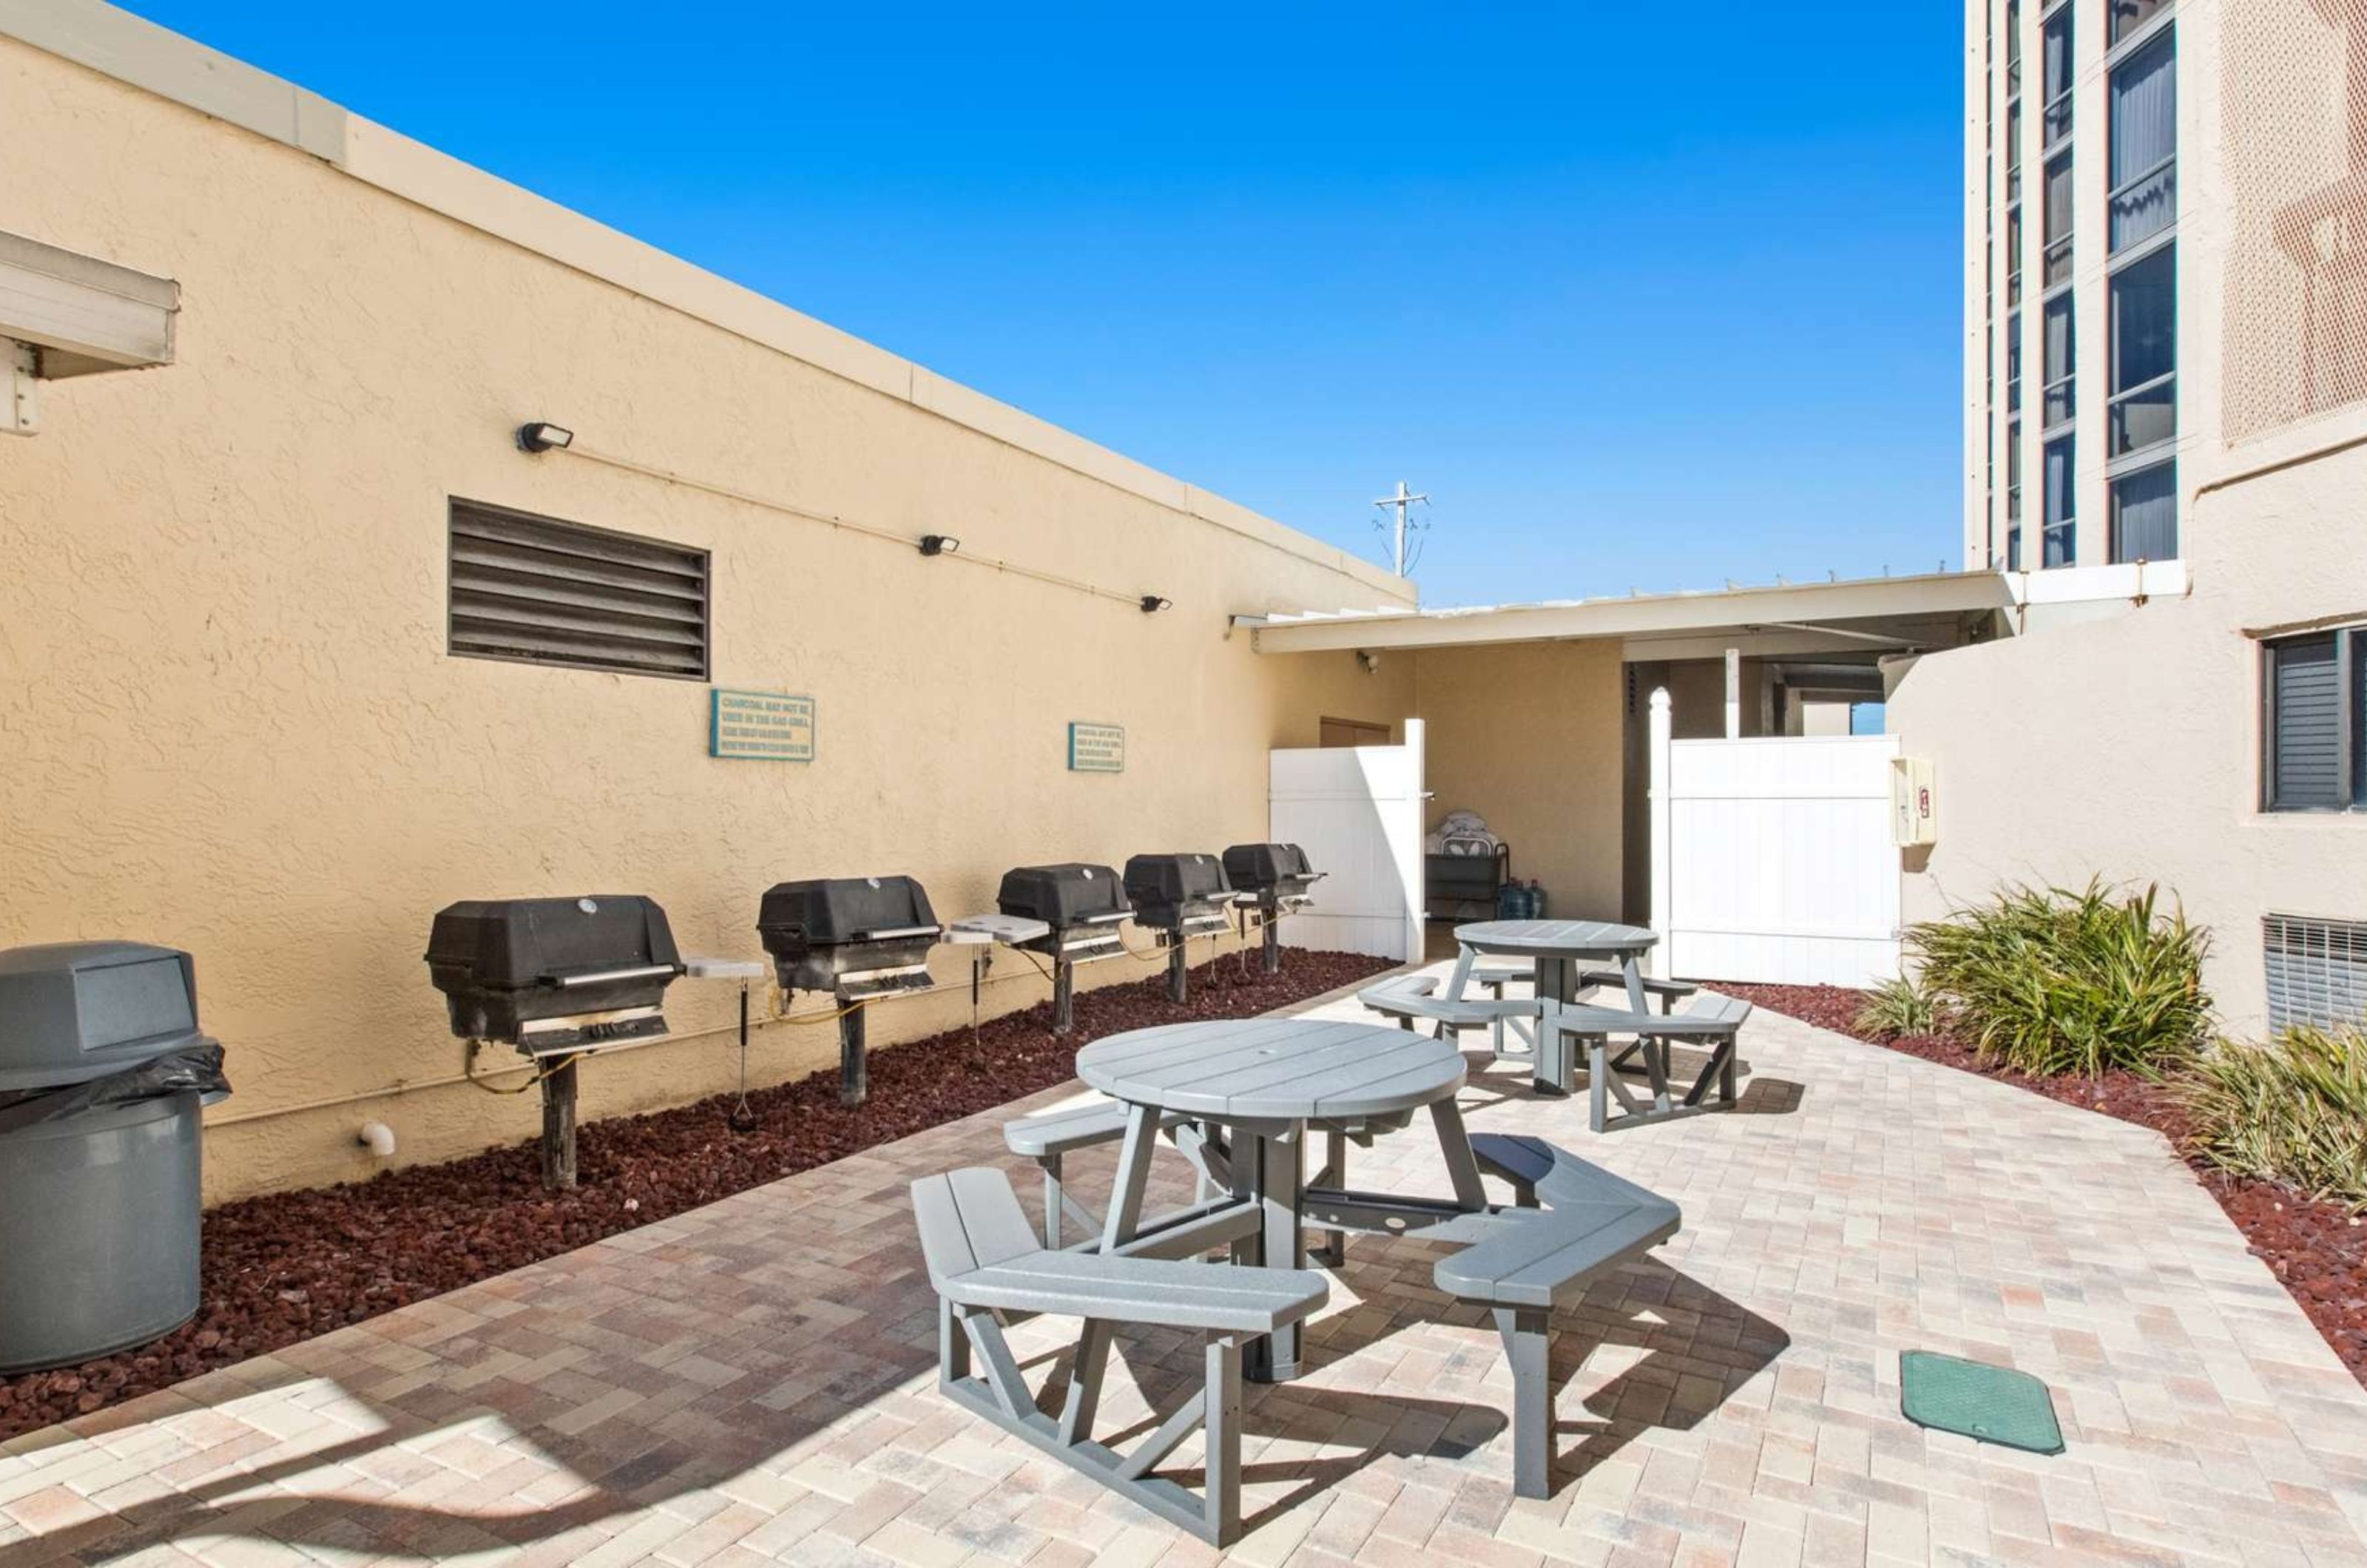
x=1661, y=729
x=1411, y=864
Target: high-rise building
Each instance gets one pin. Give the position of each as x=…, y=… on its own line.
x=2074, y=192
x=2165, y=452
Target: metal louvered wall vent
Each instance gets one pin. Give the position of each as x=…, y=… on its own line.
x=2317, y=970
x=549, y=592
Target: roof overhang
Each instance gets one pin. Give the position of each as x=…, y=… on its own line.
x=83, y=314
x=1877, y=614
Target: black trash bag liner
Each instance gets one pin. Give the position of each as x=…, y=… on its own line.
x=196, y=1067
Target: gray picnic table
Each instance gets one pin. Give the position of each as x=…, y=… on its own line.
x=1559, y=949
x=1255, y=1086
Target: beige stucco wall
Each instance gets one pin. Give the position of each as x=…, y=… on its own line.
x=2120, y=739
x=231, y=725
x=2128, y=747
x=1529, y=735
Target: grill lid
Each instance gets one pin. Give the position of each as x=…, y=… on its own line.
x=514, y=943
x=1063, y=896
x=1255, y=868
x=508, y=967
x=71, y=1012
x=1164, y=889
x=833, y=911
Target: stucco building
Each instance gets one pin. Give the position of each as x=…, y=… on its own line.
x=2166, y=439
x=273, y=691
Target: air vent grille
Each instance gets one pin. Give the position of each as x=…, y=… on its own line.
x=2317, y=970
x=551, y=592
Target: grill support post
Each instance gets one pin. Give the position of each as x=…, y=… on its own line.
x=1179, y=983
x=854, y=1066
x=558, y=1127
x=1270, y=956
x=1064, y=994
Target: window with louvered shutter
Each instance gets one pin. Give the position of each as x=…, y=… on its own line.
x=2306, y=762
x=545, y=592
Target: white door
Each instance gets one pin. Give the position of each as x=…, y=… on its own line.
x=1357, y=811
x=1780, y=864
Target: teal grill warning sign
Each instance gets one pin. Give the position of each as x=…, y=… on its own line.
x=768, y=727
x=1096, y=748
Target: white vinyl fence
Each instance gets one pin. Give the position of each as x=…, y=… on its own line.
x=1357, y=811
x=1772, y=859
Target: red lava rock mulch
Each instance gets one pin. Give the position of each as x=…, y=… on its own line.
x=2316, y=1247
x=288, y=1266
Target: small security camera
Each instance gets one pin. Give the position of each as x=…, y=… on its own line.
x=1368, y=661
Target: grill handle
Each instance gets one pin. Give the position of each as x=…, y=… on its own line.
x=603, y=976
x=894, y=932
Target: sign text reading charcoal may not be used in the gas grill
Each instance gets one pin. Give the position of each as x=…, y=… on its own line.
x=1096, y=749
x=767, y=726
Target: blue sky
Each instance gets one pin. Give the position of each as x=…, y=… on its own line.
x=1642, y=299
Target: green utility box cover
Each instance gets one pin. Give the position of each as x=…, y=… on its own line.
x=1992, y=1404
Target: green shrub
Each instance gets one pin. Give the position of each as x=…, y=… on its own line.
x=1898, y=1007
x=2294, y=1111
x=2049, y=981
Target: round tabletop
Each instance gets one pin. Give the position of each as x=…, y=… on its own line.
x=1555, y=938
x=1273, y=1068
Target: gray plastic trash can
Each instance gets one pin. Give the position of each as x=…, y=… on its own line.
x=103, y=1073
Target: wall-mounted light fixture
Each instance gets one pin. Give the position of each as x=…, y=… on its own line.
x=540, y=436
x=1153, y=604
x=939, y=543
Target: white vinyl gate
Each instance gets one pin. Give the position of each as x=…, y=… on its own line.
x=1772, y=859
x=1357, y=811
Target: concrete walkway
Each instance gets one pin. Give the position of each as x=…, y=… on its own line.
x=752, y=1381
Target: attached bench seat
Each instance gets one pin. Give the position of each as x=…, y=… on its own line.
x=1048, y=1136
x=1495, y=974
x=1542, y=1258
x=1711, y=1020
x=983, y=1259
x=1540, y=1171
x=1669, y=992
x=1409, y=996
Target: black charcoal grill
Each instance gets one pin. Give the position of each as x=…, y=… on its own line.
x=858, y=938
x=1083, y=905
x=555, y=978
x=1178, y=897
x=554, y=974
x=1273, y=879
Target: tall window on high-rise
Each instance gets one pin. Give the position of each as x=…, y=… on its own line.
x=2142, y=289
x=2123, y=17
x=2055, y=266
x=2054, y=61
x=2013, y=363
x=2013, y=495
x=2056, y=347
x=2012, y=154
x=2144, y=410
x=2144, y=143
x=2059, y=541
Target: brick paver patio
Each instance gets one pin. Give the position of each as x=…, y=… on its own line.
x=753, y=1380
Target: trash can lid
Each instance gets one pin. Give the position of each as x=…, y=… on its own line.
x=71, y=1012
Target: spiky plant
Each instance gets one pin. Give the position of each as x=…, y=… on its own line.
x=1897, y=1006
x=2294, y=1110
x=2049, y=981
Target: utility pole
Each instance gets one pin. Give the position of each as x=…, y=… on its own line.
x=1403, y=501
